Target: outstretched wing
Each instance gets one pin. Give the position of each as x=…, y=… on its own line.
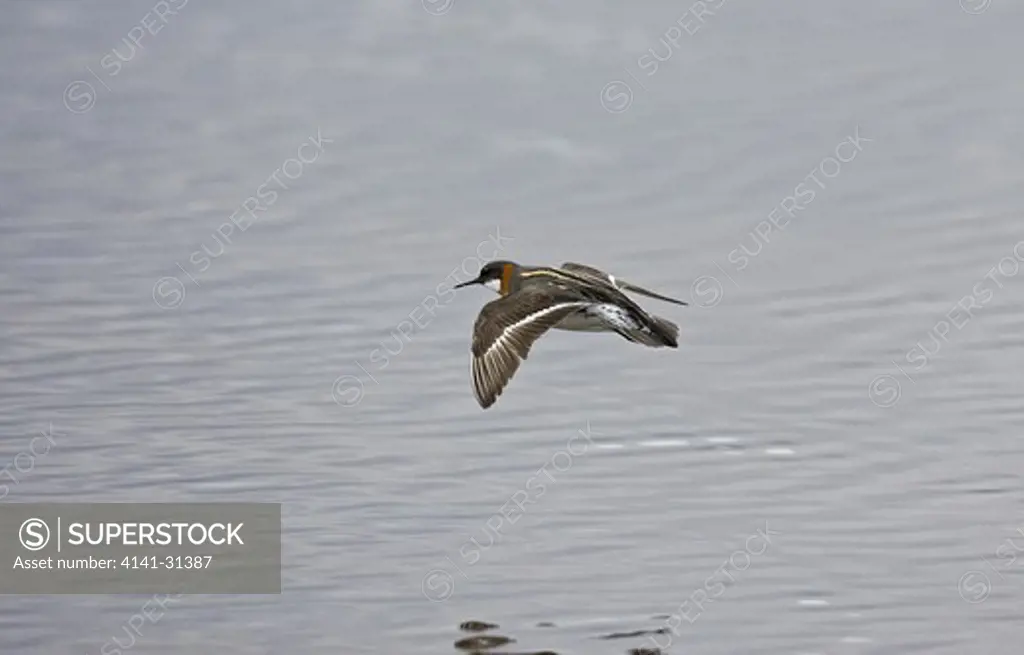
x=504, y=333
x=606, y=278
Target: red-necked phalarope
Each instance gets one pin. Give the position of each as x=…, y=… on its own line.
x=535, y=299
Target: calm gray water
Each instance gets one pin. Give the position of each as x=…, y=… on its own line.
x=848, y=375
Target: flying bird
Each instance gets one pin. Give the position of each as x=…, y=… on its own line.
x=535, y=299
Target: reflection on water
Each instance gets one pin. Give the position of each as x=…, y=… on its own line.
x=847, y=370
x=486, y=643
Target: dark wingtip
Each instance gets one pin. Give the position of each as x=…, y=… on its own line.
x=626, y=286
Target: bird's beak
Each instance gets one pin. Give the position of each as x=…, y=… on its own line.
x=466, y=284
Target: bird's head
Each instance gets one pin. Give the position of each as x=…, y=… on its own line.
x=500, y=276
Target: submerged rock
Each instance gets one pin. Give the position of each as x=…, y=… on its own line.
x=482, y=642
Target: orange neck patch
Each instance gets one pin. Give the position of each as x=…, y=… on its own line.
x=506, y=279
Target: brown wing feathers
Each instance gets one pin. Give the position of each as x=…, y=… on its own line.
x=504, y=333
x=605, y=278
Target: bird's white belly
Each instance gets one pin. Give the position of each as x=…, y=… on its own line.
x=598, y=318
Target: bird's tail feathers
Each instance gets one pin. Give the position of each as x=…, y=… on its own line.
x=658, y=333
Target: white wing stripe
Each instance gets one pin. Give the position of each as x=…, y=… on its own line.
x=509, y=331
